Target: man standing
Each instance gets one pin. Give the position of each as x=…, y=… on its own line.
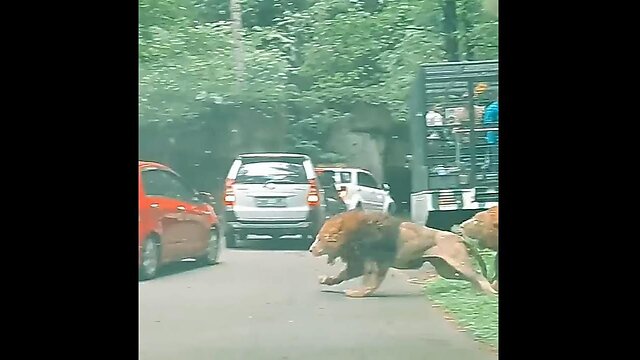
x=490, y=119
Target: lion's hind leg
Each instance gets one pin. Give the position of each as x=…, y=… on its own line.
x=495, y=269
x=453, y=262
x=494, y=281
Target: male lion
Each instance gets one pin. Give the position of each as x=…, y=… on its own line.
x=483, y=228
x=372, y=242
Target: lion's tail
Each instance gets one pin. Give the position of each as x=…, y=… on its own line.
x=473, y=250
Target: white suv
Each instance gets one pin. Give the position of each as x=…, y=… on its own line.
x=272, y=194
x=359, y=189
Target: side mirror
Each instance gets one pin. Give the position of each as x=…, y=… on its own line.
x=385, y=187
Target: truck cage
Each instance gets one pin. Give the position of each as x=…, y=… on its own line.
x=453, y=155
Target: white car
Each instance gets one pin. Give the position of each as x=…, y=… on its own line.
x=358, y=188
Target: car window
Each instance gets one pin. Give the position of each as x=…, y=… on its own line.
x=164, y=183
x=345, y=177
x=367, y=180
x=275, y=172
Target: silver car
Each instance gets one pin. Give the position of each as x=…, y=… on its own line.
x=272, y=194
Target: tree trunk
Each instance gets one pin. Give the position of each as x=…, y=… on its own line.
x=467, y=27
x=450, y=27
x=235, y=9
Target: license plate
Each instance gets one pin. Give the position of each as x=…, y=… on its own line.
x=270, y=202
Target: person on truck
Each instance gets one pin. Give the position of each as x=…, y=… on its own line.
x=434, y=116
x=490, y=119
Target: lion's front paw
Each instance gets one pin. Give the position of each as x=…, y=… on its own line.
x=356, y=293
x=325, y=280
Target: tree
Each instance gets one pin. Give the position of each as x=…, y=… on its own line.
x=449, y=29
x=236, y=28
x=308, y=61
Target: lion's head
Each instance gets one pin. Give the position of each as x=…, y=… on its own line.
x=483, y=227
x=350, y=233
x=330, y=239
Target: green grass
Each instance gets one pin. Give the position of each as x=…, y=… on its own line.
x=474, y=311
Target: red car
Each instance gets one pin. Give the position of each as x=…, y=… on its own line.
x=174, y=222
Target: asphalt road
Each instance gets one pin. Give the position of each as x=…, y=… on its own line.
x=267, y=304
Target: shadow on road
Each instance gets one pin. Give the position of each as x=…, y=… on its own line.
x=375, y=295
x=274, y=244
x=182, y=267
x=251, y=244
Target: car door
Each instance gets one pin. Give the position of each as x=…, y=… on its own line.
x=332, y=199
x=162, y=210
x=195, y=224
x=167, y=200
x=372, y=195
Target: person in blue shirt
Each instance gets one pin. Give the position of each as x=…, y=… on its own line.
x=490, y=119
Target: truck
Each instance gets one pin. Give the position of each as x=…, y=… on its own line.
x=454, y=168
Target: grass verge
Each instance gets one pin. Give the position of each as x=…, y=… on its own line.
x=476, y=312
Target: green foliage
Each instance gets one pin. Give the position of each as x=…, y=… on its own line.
x=474, y=311
x=185, y=65
x=314, y=57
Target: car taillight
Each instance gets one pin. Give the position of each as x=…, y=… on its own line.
x=313, y=198
x=229, y=196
